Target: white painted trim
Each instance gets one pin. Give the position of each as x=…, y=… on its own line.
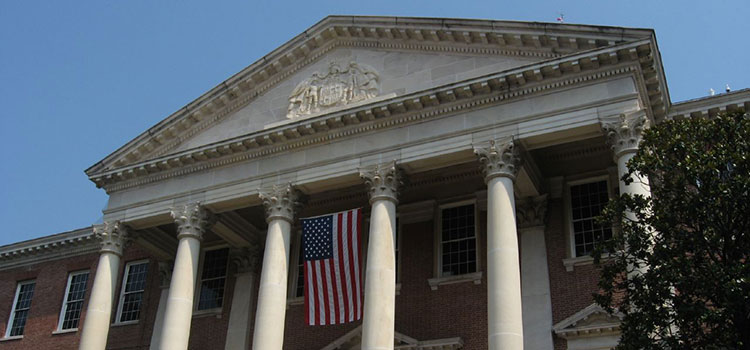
x=12, y=316
x=64, y=306
x=439, y=244
x=125, y=272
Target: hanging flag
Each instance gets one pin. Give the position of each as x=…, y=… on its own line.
x=331, y=246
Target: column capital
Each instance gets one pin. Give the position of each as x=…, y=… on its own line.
x=383, y=181
x=531, y=211
x=247, y=259
x=625, y=133
x=192, y=220
x=281, y=202
x=113, y=236
x=500, y=158
x=165, y=273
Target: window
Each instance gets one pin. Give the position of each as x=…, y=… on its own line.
x=20, y=310
x=213, y=278
x=73, y=300
x=299, y=286
x=586, y=203
x=131, y=291
x=458, y=246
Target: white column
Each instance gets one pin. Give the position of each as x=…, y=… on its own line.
x=535, y=291
x=192, y=220
x=165, y=277
x=238, y=333
x=624, y=135
x=380, y=280
x=281, y=203
x=112, y=236
x=499, y=163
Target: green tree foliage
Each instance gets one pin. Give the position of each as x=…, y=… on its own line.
x=678, y=269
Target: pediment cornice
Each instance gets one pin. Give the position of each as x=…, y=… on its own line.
x=488, y=90
x=590, y=321
x=480, y=37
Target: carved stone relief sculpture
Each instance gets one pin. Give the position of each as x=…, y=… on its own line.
x=337, y=87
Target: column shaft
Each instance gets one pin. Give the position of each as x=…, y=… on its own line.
x=269, y=320
x=99, y=312
x=380, y=283
x=179, y=313
x=159, y=321
x=503, y=270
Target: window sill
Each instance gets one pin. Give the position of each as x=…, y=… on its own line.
x=15, y=337
x=207, y=313
x=475, y=277
x=571, y=263
x=65, y=331
x=120, y=324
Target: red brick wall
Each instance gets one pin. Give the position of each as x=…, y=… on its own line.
x=457, y=310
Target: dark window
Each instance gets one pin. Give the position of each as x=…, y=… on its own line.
x=20, y=313
x=213, y=279
x=134, y=284
x=299, y=291
x=458, y=241
x=586, y=203
x=73, y=305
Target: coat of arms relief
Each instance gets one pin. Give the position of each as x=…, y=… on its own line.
x=339, y=86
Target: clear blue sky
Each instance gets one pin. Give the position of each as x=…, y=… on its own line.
x=80, y=78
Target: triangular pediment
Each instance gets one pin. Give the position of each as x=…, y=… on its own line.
x=394, y=57
x=352, y=341
x=590, y=321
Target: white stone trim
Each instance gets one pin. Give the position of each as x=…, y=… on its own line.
x=59, y=246
x=475, y=277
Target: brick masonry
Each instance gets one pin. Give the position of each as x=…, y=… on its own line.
x=456, y=310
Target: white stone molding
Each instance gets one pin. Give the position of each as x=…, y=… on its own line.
x=113, y=236
x=165, y=273
x=500, y=158
x=531, y=211
x=470, y=37
x=281, y=202
x=353, y=340
x=247, y=259
x=486, y=90
x=590, y=322
x=383, y=181
x=625, y=133
x=710, y=106
x=339, y=86
x=59, y=246
x=192, y=219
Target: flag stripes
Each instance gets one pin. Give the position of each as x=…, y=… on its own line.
x=332, y=270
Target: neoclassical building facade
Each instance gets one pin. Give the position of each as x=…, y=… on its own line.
x=479, y=151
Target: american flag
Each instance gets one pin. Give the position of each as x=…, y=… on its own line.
x=333, y=292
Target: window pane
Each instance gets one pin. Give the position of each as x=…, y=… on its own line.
x=587, y=202
x=213, y=277
x=74, y=300
x=458, y=240
x=21, y=312
x=132, y=295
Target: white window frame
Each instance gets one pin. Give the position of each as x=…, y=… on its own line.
x=197, y=295
x=439, y=278
x=13, y=310
x=121, y=300
x=64, y=306
x=292, y=298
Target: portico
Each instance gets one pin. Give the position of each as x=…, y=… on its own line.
x=327, y=122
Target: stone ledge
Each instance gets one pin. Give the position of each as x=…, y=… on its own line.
x=475, y=277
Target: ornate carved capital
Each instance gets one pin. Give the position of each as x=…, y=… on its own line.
x=625, y=133
x=247, y=259
x=113, y=236
x=501, y=158
x=531, y=211
x=281, y=202
x=383, y=181
x=165, y=273
x=192, y=220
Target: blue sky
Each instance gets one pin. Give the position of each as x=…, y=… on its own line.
x=80, y=78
